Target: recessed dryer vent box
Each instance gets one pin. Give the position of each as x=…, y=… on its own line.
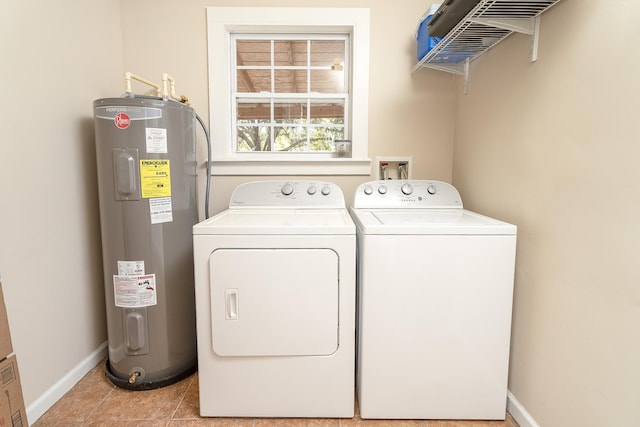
x=393, y=168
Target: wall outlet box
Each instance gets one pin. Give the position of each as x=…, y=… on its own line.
x=388, y=167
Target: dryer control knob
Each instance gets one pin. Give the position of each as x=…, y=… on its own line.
x=382, y=189
x=287, y=189
x=368, y=190
x=406, y=189
x=431, y=189
x=325, y=190
x=311, y=190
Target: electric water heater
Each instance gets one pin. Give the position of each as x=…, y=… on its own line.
x=146, y=167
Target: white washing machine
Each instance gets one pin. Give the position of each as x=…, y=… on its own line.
x=275, y=303
x=435, y=287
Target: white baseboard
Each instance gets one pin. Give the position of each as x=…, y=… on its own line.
x=51, y=396
x=519, y=413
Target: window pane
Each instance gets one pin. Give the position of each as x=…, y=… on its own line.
x=248, y=112
x=323, y=113
x=322, y=138
x=253, y=80
x=291, y=138
x=290, y=112
x=327, y=81
x=325, y=53
x=253, y=52
x=291, y=129
x=290, y=81
x=290, y=53
x=253, y=126
x=254, y=136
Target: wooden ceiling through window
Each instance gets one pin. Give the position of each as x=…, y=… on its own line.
x=289, y=53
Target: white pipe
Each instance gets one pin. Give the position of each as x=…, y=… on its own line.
x=165, y=89
x=127, y=82
x=169, y=89
x=130, y=76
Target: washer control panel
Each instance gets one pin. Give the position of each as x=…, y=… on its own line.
x=414, y=193
x=288, y=194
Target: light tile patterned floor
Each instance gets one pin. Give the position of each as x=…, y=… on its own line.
x=95, y=402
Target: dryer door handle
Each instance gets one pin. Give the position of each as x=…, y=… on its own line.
x=231, y=304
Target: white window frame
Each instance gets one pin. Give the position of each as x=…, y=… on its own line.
x=221, y=23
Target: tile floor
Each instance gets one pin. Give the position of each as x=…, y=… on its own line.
x=95, y=402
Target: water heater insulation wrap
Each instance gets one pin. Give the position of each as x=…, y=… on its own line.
x=146, y=166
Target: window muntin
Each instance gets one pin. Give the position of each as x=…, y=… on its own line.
x=290, y=92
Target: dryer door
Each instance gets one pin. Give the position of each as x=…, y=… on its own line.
x=274, y=302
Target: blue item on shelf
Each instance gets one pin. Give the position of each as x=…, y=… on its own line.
x=425, y=42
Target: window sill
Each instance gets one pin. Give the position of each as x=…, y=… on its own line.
x=292, y=167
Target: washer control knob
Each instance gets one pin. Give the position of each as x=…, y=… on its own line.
x=406, y=189
x=382, y=189
x=311, y=190
x=287, y=189
x=326, y=190
x=368, y=190
x=431, y=189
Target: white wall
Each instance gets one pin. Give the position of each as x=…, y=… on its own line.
x=57, y=57
x=553, y=147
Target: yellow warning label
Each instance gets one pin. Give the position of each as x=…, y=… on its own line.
x=155, y=178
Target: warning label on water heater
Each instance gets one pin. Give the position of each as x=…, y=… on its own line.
x=135, y=291
x=156, y=141
x=160, y=210
x=155, y=178
x=130, y=268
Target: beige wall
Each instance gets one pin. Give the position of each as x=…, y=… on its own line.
x=409, y=115
x=56, y=58
x=552, y=146
x=548, y=146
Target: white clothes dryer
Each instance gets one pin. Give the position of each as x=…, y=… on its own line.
x=435, y=288
x=275, y=303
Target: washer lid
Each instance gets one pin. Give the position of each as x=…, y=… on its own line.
x=278, y=221
x=428, y=221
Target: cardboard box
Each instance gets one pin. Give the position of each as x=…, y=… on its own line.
x=5, y=337
x=11, y=389
x=5, y=411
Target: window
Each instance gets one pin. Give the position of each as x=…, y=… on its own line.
x=285, y=84
x=290, y=92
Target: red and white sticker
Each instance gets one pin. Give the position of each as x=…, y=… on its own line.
x=122, y=120
x=135, y=291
